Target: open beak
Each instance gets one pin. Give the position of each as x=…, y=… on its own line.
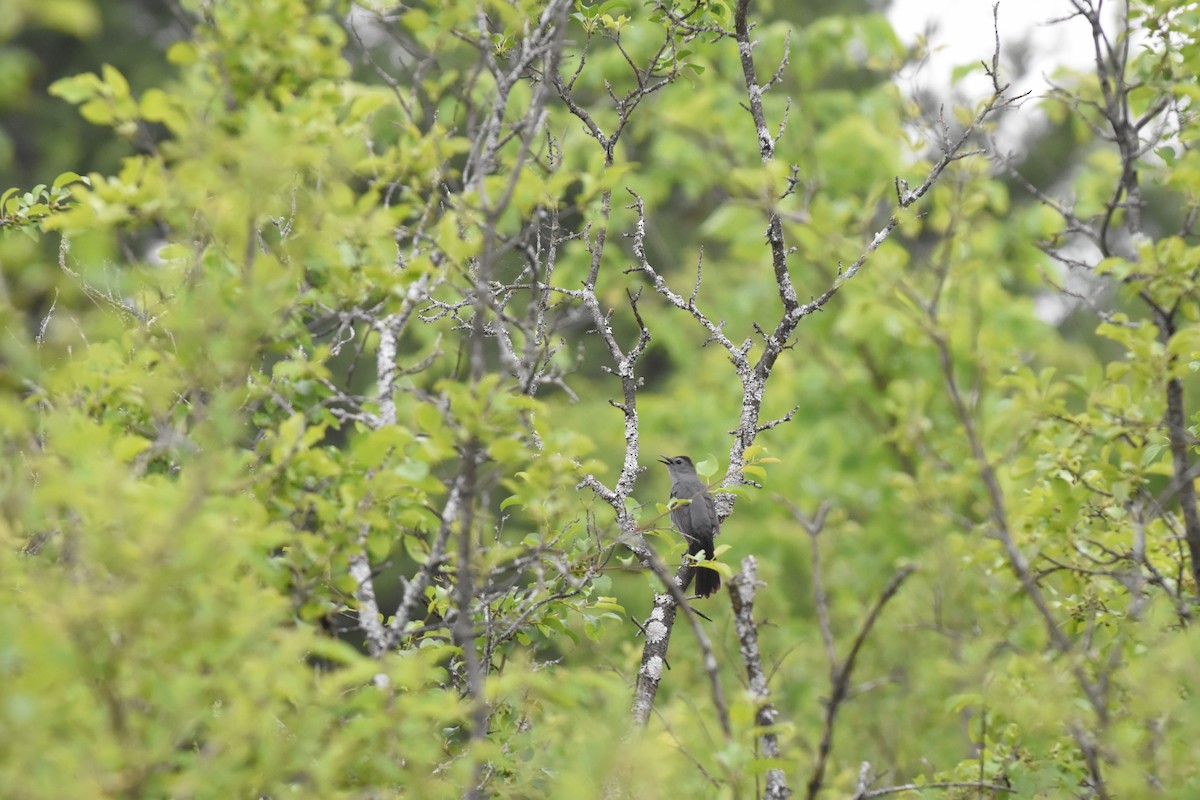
x=664, y=460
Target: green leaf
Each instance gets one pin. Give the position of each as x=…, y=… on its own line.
x=117, y=85
x=379, y=545
x=724, y=569
x=963, y=70
x=66, y=178
x=367, y=104
x=97, y=112
x=129, y=447
x=706, y=469
x=76, y=89
x=155, y=106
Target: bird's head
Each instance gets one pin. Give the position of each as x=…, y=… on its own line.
x=678, y=465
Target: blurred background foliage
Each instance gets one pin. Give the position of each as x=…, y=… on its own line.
x=184, y=489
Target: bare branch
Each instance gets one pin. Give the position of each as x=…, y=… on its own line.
x=813, y=526
x=741, y=590
x=841, y=681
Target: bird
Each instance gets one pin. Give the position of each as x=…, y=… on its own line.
x=695, y=517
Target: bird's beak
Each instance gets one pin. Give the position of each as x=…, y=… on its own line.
x=664, y=460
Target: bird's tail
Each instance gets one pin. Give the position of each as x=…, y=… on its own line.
x=707, y=581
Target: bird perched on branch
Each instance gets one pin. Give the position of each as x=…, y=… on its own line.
x=695, y=515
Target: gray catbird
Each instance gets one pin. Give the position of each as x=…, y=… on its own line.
x=696, y=518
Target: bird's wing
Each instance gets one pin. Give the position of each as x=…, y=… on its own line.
x=680, y=516
x=703, y=515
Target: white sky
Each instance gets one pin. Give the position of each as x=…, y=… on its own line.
x=963, y=34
